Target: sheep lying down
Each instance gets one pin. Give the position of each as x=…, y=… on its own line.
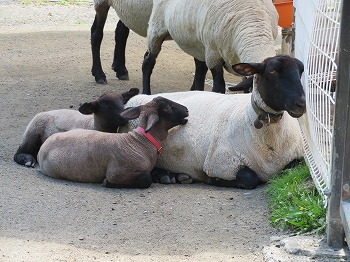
x=117, y=160
x=238, y=140
x=100, y=114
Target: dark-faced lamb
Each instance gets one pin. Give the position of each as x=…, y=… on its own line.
x=117, y=160
x=101, y=114
x=238, y=140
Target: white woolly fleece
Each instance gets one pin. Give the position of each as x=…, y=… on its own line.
x=216, y=31
x=220, y=137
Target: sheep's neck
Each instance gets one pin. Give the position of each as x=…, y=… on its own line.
x=151, y=139
x=258, y=105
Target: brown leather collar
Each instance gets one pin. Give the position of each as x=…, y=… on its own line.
x=264, y=117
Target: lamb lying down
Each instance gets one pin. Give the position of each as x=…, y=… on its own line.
x=238, y=140
x=117, y=160
x=101, y=114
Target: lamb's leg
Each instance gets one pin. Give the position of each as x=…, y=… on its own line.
x=96, y=39
x=121, y=36
x=245, y=179
x=27, y=152
x=140, y=180
x=218, y=79
x=199, y=75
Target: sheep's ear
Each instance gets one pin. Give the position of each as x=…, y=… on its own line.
x=151, y=120
x=246, y=85
x=131, y=113
x=87, y=108
x=247, y=69
x=127, y=95
x=300, y=65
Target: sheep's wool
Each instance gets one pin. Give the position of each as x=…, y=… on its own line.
x=220, y=137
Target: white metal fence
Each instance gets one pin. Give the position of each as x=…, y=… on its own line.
x=316, y=44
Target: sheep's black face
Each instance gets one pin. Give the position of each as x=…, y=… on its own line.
x=280, y=86
x=107, y=109
x=175, y=113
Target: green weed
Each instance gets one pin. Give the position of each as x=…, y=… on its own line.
x=295, y=202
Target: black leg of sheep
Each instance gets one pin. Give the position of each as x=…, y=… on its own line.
x=96, y=39
x=245, y=179
x=121, y=36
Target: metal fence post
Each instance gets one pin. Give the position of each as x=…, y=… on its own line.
x=340, y=167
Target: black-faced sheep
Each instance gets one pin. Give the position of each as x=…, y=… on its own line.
x=219, y=32
x=238, y=140
x=117, y=160
x=101, y=114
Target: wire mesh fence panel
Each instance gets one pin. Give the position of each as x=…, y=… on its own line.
x=316, y=44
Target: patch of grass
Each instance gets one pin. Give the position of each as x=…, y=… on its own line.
x=295, y=202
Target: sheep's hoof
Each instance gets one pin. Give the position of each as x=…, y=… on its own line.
x=102, y=81
x=165, y=180
x=29, y=164
x=184, y=179
x=123, y=77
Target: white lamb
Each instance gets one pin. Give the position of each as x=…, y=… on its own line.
x=238, y=140
x=219, y=32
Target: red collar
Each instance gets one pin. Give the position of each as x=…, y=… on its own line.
x=151, y=139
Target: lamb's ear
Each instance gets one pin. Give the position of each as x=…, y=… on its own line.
x=151, y=120
x=248, y=69
x=131, y=113
x=88, y=108
x=129, y=94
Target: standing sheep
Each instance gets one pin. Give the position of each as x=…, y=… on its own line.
x=260, y=16
x=219, y=32
x=101, y=114
x=117, y=160
x=238, y=140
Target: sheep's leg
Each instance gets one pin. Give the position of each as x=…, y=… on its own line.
x=218, y=79
x=27, y=152
x=245, y=179
x=150, y=58
x=199, y=75
x=163, y=176
x=140, y=180
x=121, y=36
x=96, y=39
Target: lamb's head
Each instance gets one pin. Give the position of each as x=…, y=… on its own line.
x=107, y=109
x=277, y=80
x=160, y=109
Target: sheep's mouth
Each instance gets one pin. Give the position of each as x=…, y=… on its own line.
x=183, y=121
x=296, y=114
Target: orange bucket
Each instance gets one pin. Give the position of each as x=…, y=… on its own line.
x=285, y=12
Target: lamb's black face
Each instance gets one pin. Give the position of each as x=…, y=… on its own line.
x=177, y=113
x=282, y=86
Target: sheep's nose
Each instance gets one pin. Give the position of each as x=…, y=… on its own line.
x=301, y=102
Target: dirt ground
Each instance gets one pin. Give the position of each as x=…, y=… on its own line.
x=46, y=64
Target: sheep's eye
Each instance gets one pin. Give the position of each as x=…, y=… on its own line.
x=272, y=72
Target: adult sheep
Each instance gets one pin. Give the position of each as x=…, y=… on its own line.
x=198, y=31
x=219, y=32
x=238, y=140
x=117, y=160
x=135, y=15
x=100, y=114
